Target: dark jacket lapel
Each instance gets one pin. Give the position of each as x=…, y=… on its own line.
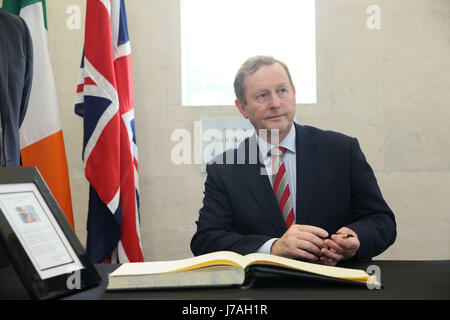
x=3, y=68
x=308, y=167
x=3, y=81
x=258, y=183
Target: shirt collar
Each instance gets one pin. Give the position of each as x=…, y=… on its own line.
x=288, y=142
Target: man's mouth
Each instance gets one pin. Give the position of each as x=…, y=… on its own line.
x=274, y=117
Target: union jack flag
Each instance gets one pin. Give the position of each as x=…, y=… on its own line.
x=104, y=99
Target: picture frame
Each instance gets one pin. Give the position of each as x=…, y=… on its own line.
x=38, y=240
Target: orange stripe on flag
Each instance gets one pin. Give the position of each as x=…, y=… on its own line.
x=49, y=156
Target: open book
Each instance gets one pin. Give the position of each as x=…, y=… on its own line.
x=223, y=268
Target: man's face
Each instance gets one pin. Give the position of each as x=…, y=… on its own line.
x=270, y=100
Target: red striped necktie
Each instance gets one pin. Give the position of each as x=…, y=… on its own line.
x=280, y=185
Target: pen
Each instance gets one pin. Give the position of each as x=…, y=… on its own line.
x=344, y=235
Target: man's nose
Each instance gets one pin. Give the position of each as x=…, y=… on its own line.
x=274, y=101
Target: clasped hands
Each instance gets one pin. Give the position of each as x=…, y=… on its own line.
x=312, y=243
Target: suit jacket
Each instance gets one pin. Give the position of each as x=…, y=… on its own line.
x=16, y=71
x=336, y=187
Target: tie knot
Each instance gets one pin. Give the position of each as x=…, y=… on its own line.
x=277, y=151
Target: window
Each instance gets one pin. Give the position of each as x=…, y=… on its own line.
x=217, y=36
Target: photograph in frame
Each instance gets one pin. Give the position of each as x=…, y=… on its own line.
x=38, y=240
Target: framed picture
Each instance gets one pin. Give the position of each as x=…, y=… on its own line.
x=38, y=240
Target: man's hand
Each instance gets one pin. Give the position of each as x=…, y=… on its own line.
x=338, y=248
x=301, y=241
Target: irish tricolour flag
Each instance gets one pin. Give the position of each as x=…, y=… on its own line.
x=41, y=137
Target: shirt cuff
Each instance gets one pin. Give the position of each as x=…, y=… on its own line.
x=265, y=248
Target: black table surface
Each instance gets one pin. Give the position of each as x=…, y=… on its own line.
x=402, y=280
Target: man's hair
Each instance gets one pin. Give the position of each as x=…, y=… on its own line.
x=251, y=66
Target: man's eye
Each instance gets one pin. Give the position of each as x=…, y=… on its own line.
x=283, y=92
x=261, y=96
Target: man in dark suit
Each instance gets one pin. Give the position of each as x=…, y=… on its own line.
x=16, y=73
x=316, y=199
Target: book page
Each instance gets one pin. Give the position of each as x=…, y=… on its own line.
x=234, y=259
x=215, y=258
x=330, y=271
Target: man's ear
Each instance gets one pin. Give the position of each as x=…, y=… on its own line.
x=295, y=97
x=241, y=107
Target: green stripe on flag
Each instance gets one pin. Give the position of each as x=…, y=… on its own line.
x=14, y=7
